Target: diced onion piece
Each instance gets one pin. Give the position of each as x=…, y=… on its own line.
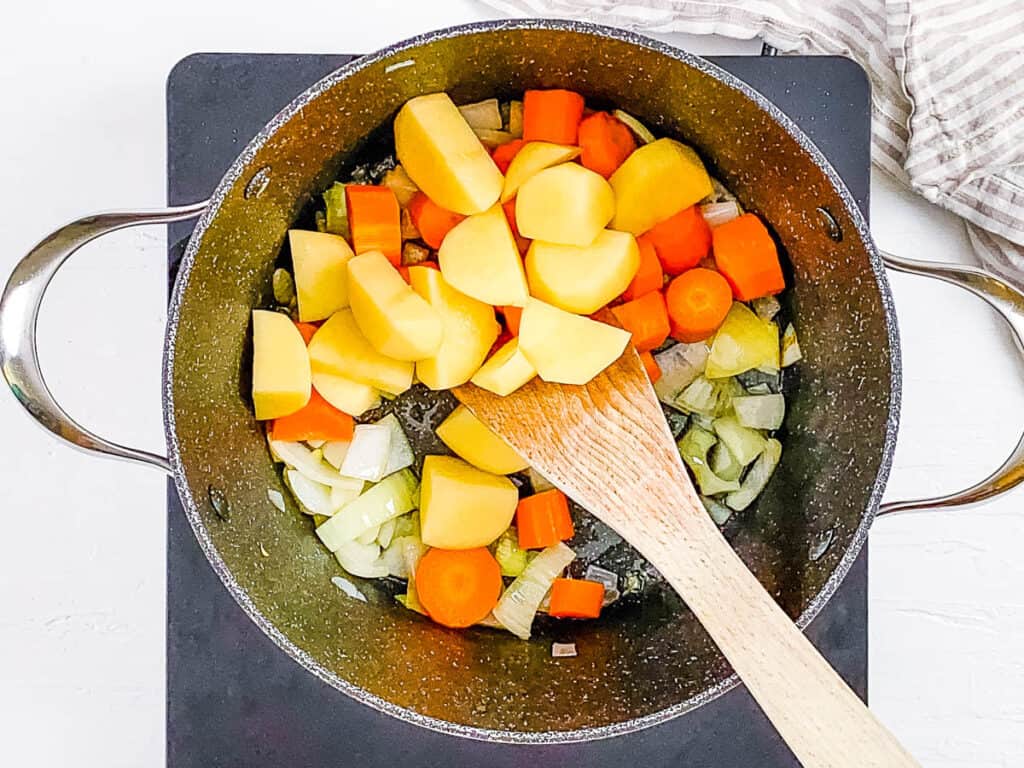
x=398, y=181
x=348, y=588
x=343, y=494
x=334, y=452
x=790, y=347
x=642, y=133
x=693, y=448
x=314, y=444
x=369, y=536
x=368, y=454
x=315, y=498
x=395, y=495
x=744, y=341
x=744, y=444
x=760, y=411
x=361, y=560
x=757, y=477
x=492, y=139
x=403, y=553
x=386, y=533
x=766, y=307
x=563, y=650
x=609, y=579
x=717, y=214
x=400, y=453
x=718, y=511
x=520, y=602
x=707, y=398
x=680, y=364
x=276, y=498
x=482, y=114
x=723, y=463
x=515, y=119
x=299, y=457
x=761, y=388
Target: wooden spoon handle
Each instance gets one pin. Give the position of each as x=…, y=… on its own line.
x=816, y=713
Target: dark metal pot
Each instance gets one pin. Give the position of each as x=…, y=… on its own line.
x=638, y=665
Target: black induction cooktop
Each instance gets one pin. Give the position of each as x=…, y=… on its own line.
x=235, y=699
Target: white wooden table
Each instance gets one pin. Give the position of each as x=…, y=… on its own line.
x=82, y=544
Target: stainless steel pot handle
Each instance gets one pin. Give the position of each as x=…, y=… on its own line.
x=1009, y=303
x=19, y=311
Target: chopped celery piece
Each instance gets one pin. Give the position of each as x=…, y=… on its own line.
x=760, y=411
x=395, y=495
x=386, y=533
x=336, y=213
x=790, y=347
x=369, y=536
x=520, y=602
x=758, y=476
x=680, y=364
x=313, y=497
x=400, y=452
x=723, y=463
x=744, y=341
x=284, y=287
x=367, y=456
x=641, y=131
x=510, y=557
x=361, y=560
x=334, y=452
x=766, y=307
x=694, y=447
x=744, y=444
x=307, y=462
x=718, y=511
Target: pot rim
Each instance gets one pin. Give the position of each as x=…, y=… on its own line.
x=235, y=172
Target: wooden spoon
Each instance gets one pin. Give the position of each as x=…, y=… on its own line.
x=606, y=444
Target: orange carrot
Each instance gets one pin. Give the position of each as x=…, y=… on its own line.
x=651, y=366
x=374, y=220
x=543, y=520
x=576, y=599
x=432, y=221
x=316, y=420
x=307, y=330
x=510, y=215
x=650, y=276
x=646, y=318
x=504, y=337
x=458, y=587
x=681, y=240
x=512, y=317
x=605, y=143
x=503, y=153
x=698, y=302
x=552, y=116
x=404, y=272
x=745, y=253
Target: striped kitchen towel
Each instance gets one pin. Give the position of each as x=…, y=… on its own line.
x=947, y=87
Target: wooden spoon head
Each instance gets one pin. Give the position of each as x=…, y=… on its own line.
x=605, y=444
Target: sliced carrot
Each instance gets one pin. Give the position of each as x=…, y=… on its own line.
x=404, y=272
x=605, y=143
x=646, y=318
x=374, y=220
x=651, y=366
x=432, y=221
x=543, y=520
x=307, y=330
x=503, y=153
x=746, y=254
x=552, y=116
x=316, y=420
x=509, y=208
x=682, y=240
x=458, y=587
x=576, y=599
x=512, y=317
x=697, y=301
x=650, y=276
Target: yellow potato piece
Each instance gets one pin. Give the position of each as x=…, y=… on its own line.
x=443, y=156
x=506, y=370
x=469, y=331
x=582, y=279
x=566, y=204
x=347, y=395
x=474, y=441
x=280, y=366
x=340, y=348
x=479, y=257
x=321, y=279
x=397, y=322
x=567, y=348
x=533, y=157
x=657, y=181
x=462, y=507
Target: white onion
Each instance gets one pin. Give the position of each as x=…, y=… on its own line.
x=368, y=455
x=717, y=214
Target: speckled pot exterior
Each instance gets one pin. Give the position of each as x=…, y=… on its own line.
x=645, y=662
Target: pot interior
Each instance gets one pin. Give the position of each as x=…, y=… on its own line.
x=646, y=659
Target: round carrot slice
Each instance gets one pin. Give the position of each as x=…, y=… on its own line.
x=458, y=587
x=698, y=301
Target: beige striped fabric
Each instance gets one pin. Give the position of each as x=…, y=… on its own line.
x=947, y=87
